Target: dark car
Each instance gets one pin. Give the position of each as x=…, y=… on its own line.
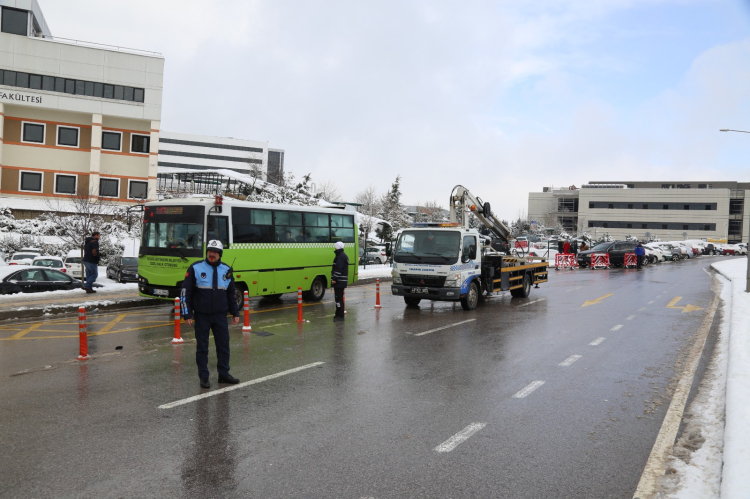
x=35, y=280
x=615, y=249
x=123, y=269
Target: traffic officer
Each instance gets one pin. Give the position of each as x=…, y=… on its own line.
x=339, y=279
x=207, y=294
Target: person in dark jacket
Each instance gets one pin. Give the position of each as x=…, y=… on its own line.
x=91, y=261
x=206, y=297
x=339, y=279
x=640, y=252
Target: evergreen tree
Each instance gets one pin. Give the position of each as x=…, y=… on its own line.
x=391, y=209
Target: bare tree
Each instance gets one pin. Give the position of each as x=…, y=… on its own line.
x=369, y=201
x=431, y=212
x=327, y=190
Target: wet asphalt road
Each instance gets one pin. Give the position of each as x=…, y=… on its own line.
x=367, y=421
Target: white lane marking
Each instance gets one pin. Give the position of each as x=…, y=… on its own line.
x=459, y=437
x=238, y=386
x=642, y=309
x=651, y=302
x=528, y=389
x=569, y=360
x=444, y=327
x=531, y=302
x=617, y=327
x=573, y=289
x=630, y=318
x=597, y=341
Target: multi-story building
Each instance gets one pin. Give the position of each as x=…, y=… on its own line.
x=666, y=210
x=76, y=118
x=202, y=152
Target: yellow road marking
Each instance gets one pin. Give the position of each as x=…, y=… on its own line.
x=597, y=301
x=26, y=331
x=111, y=324
x=686, y=308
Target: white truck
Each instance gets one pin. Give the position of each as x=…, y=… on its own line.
x=451, y=262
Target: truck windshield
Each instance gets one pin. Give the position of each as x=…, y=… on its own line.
x=435, y=246
x=173, y=231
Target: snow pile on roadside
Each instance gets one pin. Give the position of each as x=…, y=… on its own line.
x=72, y=293
x=694, y=469
x=373, y=271
x=735, y=481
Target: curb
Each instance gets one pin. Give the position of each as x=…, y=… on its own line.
x=73, y=309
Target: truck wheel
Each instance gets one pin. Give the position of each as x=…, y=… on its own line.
x=412, y=302
x=317, y=290
x=469, y=302
x=524, y=290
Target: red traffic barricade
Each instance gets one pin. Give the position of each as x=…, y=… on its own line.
x=177, y=337
x=565, y=261
x=299, y=305
x=630, y=261
x=246, y=328
x=599, y=261
x=83, y=339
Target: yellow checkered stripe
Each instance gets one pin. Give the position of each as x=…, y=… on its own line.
x=248, y=246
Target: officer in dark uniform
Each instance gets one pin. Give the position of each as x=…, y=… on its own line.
x=339, y=279
x=207, y=295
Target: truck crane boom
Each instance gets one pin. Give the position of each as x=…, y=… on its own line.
x=462, y=198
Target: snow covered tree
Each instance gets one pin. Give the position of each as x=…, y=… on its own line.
x=391, y=210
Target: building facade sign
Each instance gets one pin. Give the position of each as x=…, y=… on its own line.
x=20, y=97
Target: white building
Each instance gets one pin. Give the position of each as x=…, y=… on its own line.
x=76, y=118
x=202, y=152
x=667, y=210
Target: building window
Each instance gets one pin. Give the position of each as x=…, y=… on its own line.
x=708, y=207
x=109, y=187
x=70, y=86
x=31, y=181
x=706, y=227
x=702, y=186
x=735, y=206
x=33, y=132
x=605, y=225
x=591, y=205
x=644, y=226
x=140, y=143
x=35, y=82
x=137, y=190
x=112, y=141
x=22, y=80
x=65, y=184
x=645, y=206
x=89, y=88
x=686, y=207
x=128, y=93
x=138, y=95
x=628, y=226
x=664, y=226
x=67, y=136
x=610, y=206
x=665, y=206
x=109, y=91
x=630, y=206
x=48, y=83
x=9, y=78
x=59, y=84
x=685, y=227
x=15, y=21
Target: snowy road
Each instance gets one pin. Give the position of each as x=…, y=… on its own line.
x=562, y=394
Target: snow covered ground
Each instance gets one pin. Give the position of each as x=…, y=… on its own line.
x=373, y=271
x=712, y=458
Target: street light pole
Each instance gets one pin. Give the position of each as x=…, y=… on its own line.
x=747, y=274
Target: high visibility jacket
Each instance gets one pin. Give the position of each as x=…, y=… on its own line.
x=208, y=289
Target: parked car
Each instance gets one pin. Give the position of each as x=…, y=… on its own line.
x=123, y=269
x=73, y=264
x=730, y=249
x=615, y=249
x=375, y=254
x=653, y=255
x=24, y=257
x=742, y=249
x=682, y=249
x=710, y=249
x=35, y=280
x=52, y=262
x=662, y=254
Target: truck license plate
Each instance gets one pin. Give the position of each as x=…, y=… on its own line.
x=161, y=292
x=419, y=290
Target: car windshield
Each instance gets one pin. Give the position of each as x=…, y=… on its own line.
x=48, y=263
x=130, y=261
x=601, y=247
x=22, y=256
x=434, y=246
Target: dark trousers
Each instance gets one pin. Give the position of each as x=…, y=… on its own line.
x=338, y=294
x=640, y=260
x=218, y=324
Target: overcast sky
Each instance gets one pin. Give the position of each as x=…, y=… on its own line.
x=504, y=97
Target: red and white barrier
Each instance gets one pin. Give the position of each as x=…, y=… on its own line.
x=565, y=261
x=377, y=293
x=630, y=261
x=299, y=305
x=83, y=339
x=599, y=261
x=177, y=338
x=246, y=328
